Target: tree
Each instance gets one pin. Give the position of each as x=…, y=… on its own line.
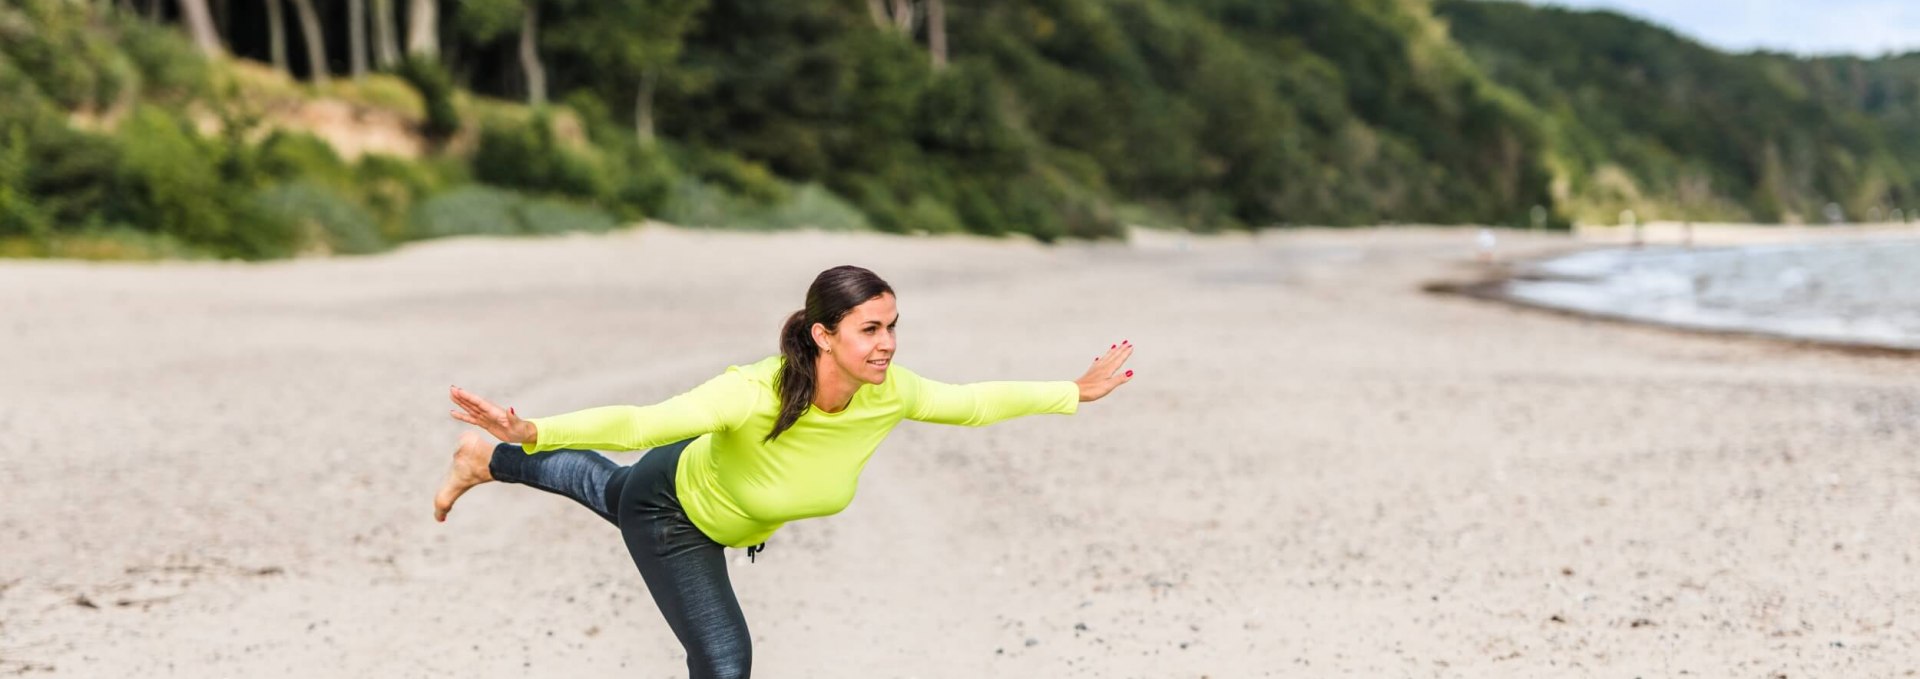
x=386, y=45
x=937, y=32
x=316, y=44
x=530, y=54
x=630, y=41
x=277, y=35
x=482, y=22
x=200, y=23
x=423, y=28
x=357, y=37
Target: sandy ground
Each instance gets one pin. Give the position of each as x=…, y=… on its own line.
x=225, y=470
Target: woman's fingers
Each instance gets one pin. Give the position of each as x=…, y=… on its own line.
x=476, y=406
x=1116, y=358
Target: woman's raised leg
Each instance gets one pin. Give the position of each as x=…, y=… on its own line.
x=580, y=475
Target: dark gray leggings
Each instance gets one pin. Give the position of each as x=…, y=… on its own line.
x=685, y=570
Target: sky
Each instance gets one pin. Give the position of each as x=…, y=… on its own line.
x=1860, y=27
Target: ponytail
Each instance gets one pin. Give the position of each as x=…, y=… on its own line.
x=796, y=380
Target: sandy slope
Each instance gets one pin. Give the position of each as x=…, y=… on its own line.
x=225, y=471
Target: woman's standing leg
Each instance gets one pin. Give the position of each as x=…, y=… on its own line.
x=686, y=571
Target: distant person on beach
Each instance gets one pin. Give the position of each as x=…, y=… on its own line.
x=778, y=440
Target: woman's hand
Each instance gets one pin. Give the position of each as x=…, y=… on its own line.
x=1105, y=375
x=502, y=423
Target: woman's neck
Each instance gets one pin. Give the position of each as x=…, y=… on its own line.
x=832, y=388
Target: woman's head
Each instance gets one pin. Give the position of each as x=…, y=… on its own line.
x=849, y=319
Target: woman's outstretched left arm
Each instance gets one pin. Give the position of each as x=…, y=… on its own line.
x=983, y=403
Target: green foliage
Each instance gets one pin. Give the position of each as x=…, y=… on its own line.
x=322, y=216
x=170, y=69
x=482, y=210
x=548, y=216
x=18, y=215
x=1651, y=121
x=484, y=21
x=68, y=50
x=697, y=203
x=468, y=210
x=528, y=156
x=174, y=187
x=1054, y=118
x=391, y=187
x=289, y=156
x=436, y=90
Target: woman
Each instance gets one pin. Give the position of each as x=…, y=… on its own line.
x=760, y=445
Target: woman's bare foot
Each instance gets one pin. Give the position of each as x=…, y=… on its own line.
x=470, y=468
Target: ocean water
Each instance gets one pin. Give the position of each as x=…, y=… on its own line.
x=1857, y=292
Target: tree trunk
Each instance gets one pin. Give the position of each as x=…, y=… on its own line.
x=277, y=35
x=643, y=108
x=316, y=44
x=903, y=16
x=386, y=45
x=423, y=28
x=357, y=37
x=878, y=10
x=937, y=32
x=200, y=23
x=530, y=54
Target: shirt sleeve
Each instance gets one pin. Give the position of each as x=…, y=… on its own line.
x=722, y=403
x=982, y=403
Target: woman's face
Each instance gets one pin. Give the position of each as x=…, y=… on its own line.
x=862, y=347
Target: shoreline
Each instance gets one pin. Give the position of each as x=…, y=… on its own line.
x=1494, y=285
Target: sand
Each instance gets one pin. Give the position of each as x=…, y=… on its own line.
x=226, y=470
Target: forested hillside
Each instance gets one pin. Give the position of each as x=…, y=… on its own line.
x=1644, y=119
x=177, y=125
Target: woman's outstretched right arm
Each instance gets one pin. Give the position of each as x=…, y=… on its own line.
x=721, y=403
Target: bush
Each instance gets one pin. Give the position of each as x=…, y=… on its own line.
x=436, y=91
x=323, y=216
x=467, y=210
x=75, y=175
x=169, y=66
x=391, y=187
x=483, y=210
x=737, y=175
x=643, y=180
x=173, y=186
x=546, y=216
x=288, y=155
x=697, y=203
x=18, y=215
x=527, y=156
x=927, y=215
x=17, y=89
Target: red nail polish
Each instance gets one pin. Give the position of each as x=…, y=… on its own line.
x=511, y=411
x=1112, y=346
x=1129, y=373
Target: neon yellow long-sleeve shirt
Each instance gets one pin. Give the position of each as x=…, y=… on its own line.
x=739, y=489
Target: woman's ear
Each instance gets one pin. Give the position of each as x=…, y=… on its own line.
x=820, y=337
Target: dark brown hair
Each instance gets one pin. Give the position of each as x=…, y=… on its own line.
x=834, y=292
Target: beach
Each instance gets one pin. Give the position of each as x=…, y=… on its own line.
x=226, y=470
